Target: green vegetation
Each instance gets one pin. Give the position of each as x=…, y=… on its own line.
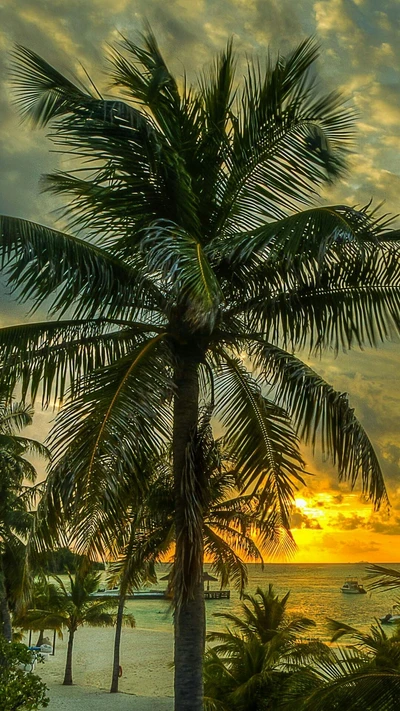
x=262, y=662
x=19, y=689
x=141, y=531
x=59, y=606
x=198, y=278
x=249, y=665
x=16, y=503
x=364, y=676
x=62, y=560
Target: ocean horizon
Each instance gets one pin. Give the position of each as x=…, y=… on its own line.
x=314, y=593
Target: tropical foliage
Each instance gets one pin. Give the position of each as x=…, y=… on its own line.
x=19, y=690
x=58, y=606
x=186, y=249
x=235, y=529
x=17, y=497
x=250, y=664
x=364, y=676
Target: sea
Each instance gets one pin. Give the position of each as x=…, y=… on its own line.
x=314, y=593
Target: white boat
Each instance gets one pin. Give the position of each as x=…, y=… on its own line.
x=392, y=618
x=351, y=586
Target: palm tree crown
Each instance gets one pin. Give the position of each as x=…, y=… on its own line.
x=252, y=661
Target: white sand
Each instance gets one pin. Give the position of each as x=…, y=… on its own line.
x=146, y=658
x=78, y=698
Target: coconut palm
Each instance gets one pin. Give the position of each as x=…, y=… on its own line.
x=252, y=660
x=364, y=676
x=185, y=249
x=70, y=606
x=16, y=503
x=234, y=527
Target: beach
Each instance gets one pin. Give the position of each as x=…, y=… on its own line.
x=147, y=650
x=147, y=676
x=77, y=698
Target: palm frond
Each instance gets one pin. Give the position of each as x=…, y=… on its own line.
x=181, y=259
x=320, y=412
x=346, y=681
x=119, y=418
x=382, y=578
x=83, y=273
x=14, y=417
x=41, y=92
x=312, y=234
x=259, y=437
x=55, y=356
x=34, y=447
x=287, y=140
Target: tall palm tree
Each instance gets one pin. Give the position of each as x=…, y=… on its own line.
x=71, y=606
x=16, y=504
x=186, y=248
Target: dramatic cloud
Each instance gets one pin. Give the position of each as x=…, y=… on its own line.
x=299, y=519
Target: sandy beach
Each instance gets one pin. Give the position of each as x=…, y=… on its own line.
x=79, y=698
x=147, y=676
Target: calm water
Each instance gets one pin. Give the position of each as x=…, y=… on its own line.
x=314, y=592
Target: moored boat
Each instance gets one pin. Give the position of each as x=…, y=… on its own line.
x=351, y=586
x=392, y=618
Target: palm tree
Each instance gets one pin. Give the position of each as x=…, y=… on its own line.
x=59, y=606
x=192, y=251
x=365, y=676
x=234, y=528
x=16, y=503
x=252, y=661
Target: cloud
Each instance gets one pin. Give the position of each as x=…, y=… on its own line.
x=386, y=524
x=347, y=523
x=299, y=519
x=353, y=547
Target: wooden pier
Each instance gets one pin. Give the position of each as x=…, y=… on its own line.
x=217, y=594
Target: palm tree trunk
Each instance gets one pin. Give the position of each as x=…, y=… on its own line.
x=189, y=609
x=40, y=638
x=68, y=666
x=117, y=644
x=6, y=626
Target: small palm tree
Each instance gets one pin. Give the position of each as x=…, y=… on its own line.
x=71, y=607
x=16, y=504
x=364, y=676
x=250, y=663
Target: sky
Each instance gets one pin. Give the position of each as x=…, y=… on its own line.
x=360, y=55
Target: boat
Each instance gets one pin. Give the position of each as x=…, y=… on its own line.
x=392, y=618
x=351, y=586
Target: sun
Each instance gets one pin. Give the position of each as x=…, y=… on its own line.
x=300, y=503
